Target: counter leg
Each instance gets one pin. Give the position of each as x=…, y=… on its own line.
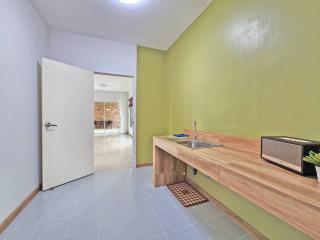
x=166, y=168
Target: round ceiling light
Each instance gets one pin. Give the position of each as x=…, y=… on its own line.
x=129, y=1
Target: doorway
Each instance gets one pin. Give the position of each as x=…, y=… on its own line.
x=73, y=113
x=113, y=121
x=106, y=118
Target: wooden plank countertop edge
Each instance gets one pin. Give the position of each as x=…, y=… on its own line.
x=293, y=198
x=206, y=154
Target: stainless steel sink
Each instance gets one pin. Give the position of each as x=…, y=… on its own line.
x=174, y=139
x=194, y=143
x=198, y=144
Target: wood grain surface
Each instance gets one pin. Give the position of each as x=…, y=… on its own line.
x=238, y=166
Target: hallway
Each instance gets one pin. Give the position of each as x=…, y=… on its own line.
x=112, y=151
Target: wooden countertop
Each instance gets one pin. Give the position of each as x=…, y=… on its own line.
x=238, y=166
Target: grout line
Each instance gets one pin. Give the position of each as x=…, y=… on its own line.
x=73, y=210
x=192, y=224
x=154, y=212
x=34, y=230
x=185, y=226
x=147, y=201
x=38, y=224
x=157, y=219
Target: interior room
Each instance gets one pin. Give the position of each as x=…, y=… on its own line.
x=113, y=135
x=159, y=120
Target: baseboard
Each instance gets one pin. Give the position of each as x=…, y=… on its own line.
x=16, y=211
x=144, y=165
x=232, y=215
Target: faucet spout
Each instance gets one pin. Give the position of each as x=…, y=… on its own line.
x=194, y=124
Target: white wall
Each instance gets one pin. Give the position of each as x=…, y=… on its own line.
x=23, y=42
x=98, y=55
x=113, y=83
x=124, y=112
x=122, y=99
x=102, y=96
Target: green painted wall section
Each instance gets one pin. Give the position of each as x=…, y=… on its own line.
x=264, y=222
x=247, y=68
x=152, y=110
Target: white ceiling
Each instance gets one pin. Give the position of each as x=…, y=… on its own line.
x=150, y=23
x=112, y=83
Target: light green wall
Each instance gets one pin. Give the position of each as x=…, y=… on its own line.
x=271, y=227
x=152, y=110
x=247, y=68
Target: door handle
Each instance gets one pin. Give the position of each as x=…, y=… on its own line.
x=49, y=124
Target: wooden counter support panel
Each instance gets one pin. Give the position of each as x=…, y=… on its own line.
x=237, y=165
x=169, y=170
x=295, y=212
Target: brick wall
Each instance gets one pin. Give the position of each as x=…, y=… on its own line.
x=108, y=111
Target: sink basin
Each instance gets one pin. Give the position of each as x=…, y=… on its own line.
x=174, y=139
x=198, y=144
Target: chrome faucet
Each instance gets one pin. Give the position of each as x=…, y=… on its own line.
x=194, y=140
x=194, y=124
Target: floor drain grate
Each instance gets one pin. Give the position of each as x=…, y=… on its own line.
x=186, y=194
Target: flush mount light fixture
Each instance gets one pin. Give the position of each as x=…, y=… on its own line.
x=129, y=1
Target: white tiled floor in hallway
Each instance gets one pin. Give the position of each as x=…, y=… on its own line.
x=119, y=204
x=112, y=151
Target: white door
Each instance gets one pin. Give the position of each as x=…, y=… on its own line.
x=67, y=123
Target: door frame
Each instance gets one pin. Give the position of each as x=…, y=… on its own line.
x=134, y=111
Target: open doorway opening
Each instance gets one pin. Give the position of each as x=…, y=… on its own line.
x=113, y=121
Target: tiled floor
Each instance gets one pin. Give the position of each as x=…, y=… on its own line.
x=119, y=205
x=112, y=151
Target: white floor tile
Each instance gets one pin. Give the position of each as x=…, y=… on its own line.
x=209, y=230
x=68, y=196
x=112, y=151
x=83, y=223
x=154, y=192
x=113, y=217
x=43, y=199
x=89, y=192
x=93, y=235
x=146, y=227
x=163, y=204
x=87, y=206
x=118, y=204
x=17, y=233
x=55, y=230
x=201, y=212
x=139, y=210
x=133, y=195
x=112, y=202
x=117, y=232
x=158, y=238
x=184, y=234
x=172, y=220
x=28, y=218
x=57, y=212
